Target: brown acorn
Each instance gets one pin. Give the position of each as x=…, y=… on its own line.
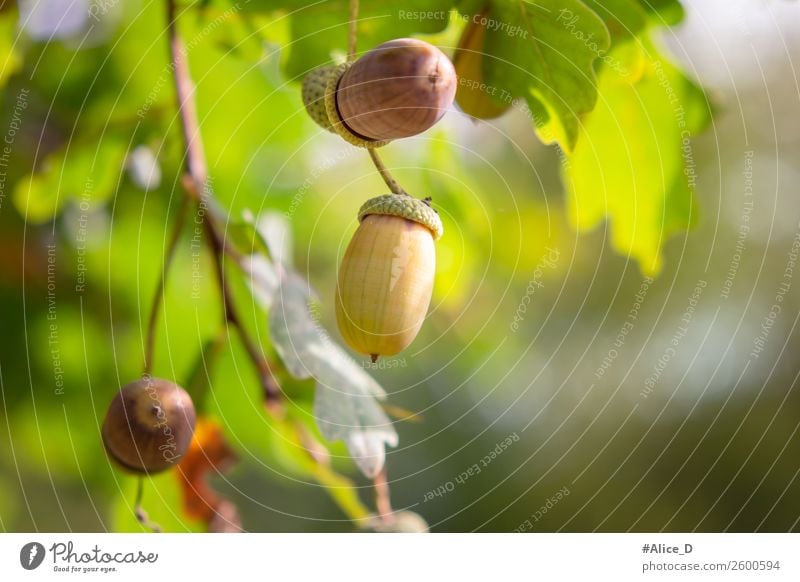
x=386, y=276
x=149, y=425
x=473, y=95
x=398, y=89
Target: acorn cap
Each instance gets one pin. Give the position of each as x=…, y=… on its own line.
x=313, y=91
x=406, y=207
x=337, y=124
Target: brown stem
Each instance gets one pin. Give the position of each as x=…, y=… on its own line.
x=393, y=185
x=196, y=186
x=382, y=501
x=180, y=220
x=272, y=393
x=184, y=88
x=352, y=31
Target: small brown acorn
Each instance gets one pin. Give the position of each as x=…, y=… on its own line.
x=473, y=95
x=386, y=276
x=398, y=89
x=149, y=425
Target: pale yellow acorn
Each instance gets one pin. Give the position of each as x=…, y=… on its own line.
x=386, y=276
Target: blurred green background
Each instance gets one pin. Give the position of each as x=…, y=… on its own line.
x=630, y=404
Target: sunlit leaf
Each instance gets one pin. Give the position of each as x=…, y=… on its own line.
x=544, y=52
x=633, y=162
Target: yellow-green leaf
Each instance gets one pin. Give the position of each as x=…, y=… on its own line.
x=544, y=52
x=633, y=161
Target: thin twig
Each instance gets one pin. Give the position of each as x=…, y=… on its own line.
x=196, y=187
x=352, y=40
x=180, y=220
x=184, y=88
x=382, y=501
x=352, y=31
x=393, y=185
x=141, y=514
x=272, y=393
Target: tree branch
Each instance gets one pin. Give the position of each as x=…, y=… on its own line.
x=195, y=184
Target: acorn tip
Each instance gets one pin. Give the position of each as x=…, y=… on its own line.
x=373, y=357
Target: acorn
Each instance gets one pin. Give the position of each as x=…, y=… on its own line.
x=472, y=96
x=313, y=92
x=398, y=89
x=149, y=425
x=386, y=276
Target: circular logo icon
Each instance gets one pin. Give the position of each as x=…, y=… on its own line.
x=31, y=555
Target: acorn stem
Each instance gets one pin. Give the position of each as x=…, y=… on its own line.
x=352, y=31
x=393, y=185
x=139, y=512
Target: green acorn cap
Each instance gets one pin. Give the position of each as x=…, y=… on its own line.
x=313, y=91
x=406, y=207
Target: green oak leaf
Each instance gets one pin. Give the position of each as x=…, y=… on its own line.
x=544, y=53
x=624, y=19
x=319, y=29
x=664, y=12
x=633, y=161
